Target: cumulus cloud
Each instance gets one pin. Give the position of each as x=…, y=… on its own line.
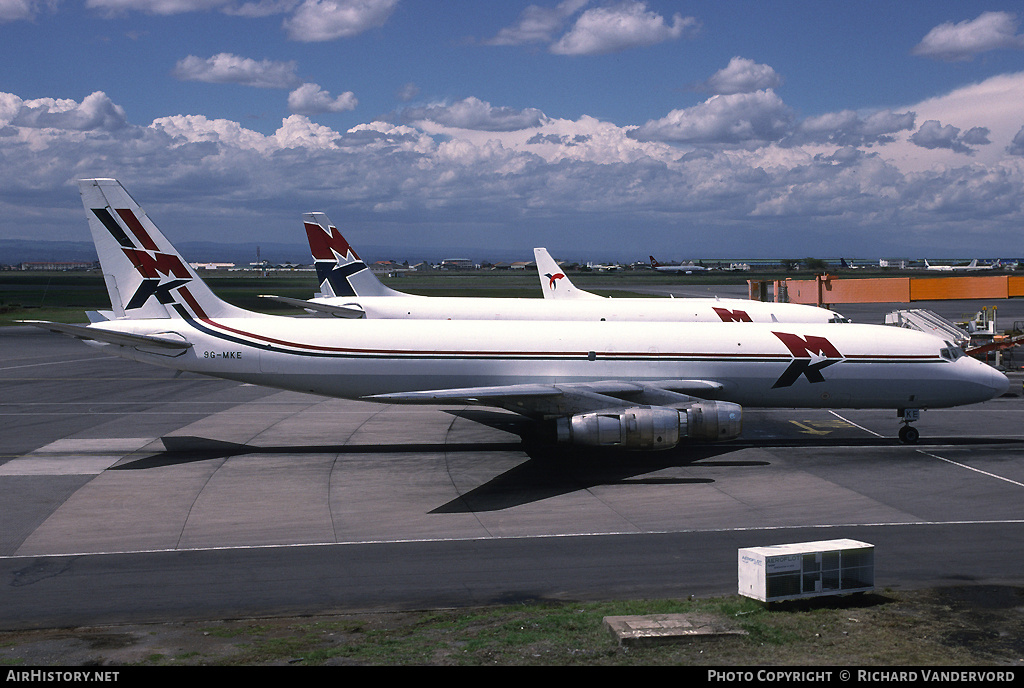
x=976, y=136
x=310, y=99
x=964, y=40
x=559, y=140
x=226, y=68
x=742, y=76
x=849, y=128
x=611, y=29
x=1016, y=146
x=473, y=113
x=18, y=10
x=503, y=172
x=308, y=20
x=96, y=112
x=325, y=20
x=759, y=118
x=537, y=24
x=262, y=8
x=407, y=92
x=161, y=7
x=933, y=135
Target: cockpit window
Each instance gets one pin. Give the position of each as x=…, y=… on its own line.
x=952, y=352
x=836, y=318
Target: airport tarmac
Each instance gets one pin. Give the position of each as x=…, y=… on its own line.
x=130, y=493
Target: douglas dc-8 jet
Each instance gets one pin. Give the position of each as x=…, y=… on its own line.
x=556, y=285
x=636, y=385
x=349, y=289
x=687, y=269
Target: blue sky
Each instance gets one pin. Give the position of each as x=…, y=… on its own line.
x=598, y=129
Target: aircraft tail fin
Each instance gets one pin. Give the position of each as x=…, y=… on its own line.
x=339, y=269
x=654, y=263
x=554, y=283
x=144, y=274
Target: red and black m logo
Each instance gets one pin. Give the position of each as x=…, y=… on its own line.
x=335, y=261
x=732, y=316
x=153, y=265
x=811, y=355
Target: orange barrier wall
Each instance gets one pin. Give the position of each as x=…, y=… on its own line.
x=828, y=290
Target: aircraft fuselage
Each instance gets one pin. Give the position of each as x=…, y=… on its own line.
x=761, y=365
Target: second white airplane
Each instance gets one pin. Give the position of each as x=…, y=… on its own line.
x=349, y=289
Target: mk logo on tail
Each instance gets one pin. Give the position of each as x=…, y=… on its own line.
x=811, y=356
x=328, y=244
x=153, y=265
x=553, y=279
x=334, y=259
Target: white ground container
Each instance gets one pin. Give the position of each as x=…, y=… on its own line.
x=806, y=569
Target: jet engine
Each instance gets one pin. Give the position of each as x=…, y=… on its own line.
x=652, y=427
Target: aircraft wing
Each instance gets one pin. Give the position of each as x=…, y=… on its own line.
x=171, y=341
x=557, y=398
x=330, y=309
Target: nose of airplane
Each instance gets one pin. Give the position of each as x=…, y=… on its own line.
x=1000, y=383
x=990, y=378
x=978, y=381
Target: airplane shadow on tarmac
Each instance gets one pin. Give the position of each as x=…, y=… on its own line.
x=550, y=469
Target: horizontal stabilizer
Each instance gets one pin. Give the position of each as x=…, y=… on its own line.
x=330, y=309
x=170, y=341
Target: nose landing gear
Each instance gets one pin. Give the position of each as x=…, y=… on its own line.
x=908, y=433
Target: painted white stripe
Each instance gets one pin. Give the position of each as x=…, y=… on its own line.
x=935, y=456
x=859, y=427
x=971, y=468
x=348, y=543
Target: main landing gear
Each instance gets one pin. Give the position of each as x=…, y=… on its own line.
x=908, y=433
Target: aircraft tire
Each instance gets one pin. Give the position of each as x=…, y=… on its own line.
x=909, y=434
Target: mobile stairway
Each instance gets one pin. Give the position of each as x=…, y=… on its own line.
x=933, y=323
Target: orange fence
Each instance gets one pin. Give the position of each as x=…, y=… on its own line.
x=826, y=290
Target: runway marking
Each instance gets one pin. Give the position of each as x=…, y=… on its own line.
x=811, y=427
x=548, y=536
x=936, y=456
x=74, y=456
x=859, y=427
x=970, y=468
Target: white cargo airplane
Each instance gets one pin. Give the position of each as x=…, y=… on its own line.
x=631, y=385
x=556, y=285
x=349, y=289
x=687, y=269
x=970, y=267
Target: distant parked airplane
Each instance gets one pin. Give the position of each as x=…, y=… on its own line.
x=687, y=269
x=557, y=286
x=970, y=267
